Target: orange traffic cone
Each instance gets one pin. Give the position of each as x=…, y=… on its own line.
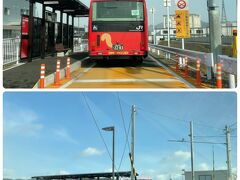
x=219, y=75
x=198, y=74
x=186, y=67
x=42, y=76
x=68, y=73
x=57, y=78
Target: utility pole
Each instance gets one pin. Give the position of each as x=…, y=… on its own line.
x=154, y=32
x=192, y=154
x=213, y=165
x=215, y=29
x=228, y=147
x=132, y=142
x=168, y=24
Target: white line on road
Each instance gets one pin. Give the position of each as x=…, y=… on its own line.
x=124, y=80
x=80, y=75
x=171, y=72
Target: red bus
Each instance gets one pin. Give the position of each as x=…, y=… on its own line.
x=118, y=29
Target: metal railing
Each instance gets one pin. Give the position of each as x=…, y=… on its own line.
x=229, y=65
x=80, y=45
x=11, y=50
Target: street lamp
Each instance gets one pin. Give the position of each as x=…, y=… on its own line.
x=167, y=3
x=152, y=10
x=113, y=147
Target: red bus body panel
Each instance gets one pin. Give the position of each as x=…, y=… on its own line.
x=134, y=43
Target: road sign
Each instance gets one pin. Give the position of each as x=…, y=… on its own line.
x=167, y=3
x=182, y=4
x=182, y=24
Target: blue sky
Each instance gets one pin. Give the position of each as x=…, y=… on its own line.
x=54, y=133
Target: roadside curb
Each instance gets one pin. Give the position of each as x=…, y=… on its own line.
x=51, y=78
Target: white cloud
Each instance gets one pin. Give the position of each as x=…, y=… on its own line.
x=203, y=167
x=63, y=172
x=8, y=173
x=64, y=135
x=182, y=155
x=90, y=151
x=21, y=121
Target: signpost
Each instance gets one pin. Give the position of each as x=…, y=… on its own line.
x=167, y=3
x=182, y=22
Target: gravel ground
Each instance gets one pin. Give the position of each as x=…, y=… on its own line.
x=26, y=76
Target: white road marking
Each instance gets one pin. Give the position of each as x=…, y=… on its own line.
x=124, y=80
x=80, y=75
x=172, y=72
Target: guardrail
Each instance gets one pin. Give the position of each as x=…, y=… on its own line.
x=206, y=59
x=11, y=50
x=229, y=66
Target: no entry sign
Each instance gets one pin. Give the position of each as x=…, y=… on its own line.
x=182, y=4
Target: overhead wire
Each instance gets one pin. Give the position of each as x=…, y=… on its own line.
x=96, y=124
x=178, y=119
x=126, y=132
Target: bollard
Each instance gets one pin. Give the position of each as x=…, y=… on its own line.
x=198, y=74
x=42, y=76
x=57, y=78
x=186, y=67
x=177, y=65
x=68, y=73
x=219, y=76
x=235, y=44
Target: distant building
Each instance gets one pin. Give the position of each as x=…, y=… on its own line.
x=208, y=175
x=196, y=28
x=12, y=11
x=227, y=28
x=194, y=20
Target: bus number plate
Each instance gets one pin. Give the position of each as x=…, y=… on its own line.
x=117, y=47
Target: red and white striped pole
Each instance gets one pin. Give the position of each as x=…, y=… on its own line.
x=198, y=74
x=57, y=78
x=219, y=76
x=42, y=76
x=177, y=63
x=68, y=76
x=186, y=67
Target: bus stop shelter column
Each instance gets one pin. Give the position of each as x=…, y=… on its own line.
x=72, y=45
x=61, y=27
x=67, y=30
x=30, y=30
x=43, y=38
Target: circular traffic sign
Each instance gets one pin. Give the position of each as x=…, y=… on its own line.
x=181, y=4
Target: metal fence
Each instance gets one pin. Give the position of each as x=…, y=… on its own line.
x=11, y=50
x=80, y=45
x=229, y=65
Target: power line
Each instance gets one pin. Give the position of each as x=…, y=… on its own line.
x=178, y=119
x=126, y=133
x=96, y=124
x=233, y=124
x=199, y=142
x=124, y=148
x=123, y=120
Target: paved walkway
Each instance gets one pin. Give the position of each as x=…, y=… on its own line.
x=26, y=75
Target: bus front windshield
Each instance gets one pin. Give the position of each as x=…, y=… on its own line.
x=117, y=11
